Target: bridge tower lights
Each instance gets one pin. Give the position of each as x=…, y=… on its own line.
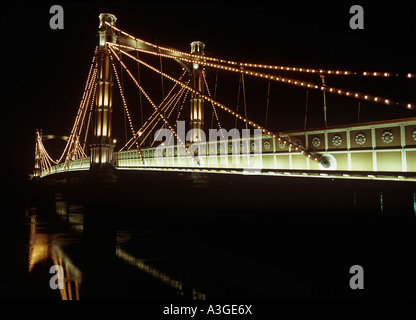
x=102, y=146
x=197, y=102
x=36, y=169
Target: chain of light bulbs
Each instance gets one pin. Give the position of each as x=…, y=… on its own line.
x=300, y=83
x=87, y=85
x=309, y=154
x=155, y=107
x=156, y=119
x=162, y=106
x=266, y=66
x=80, y=116
x=169, y=109
x=150, y=119
x=174, y=107
x=213, y=106
x=325, y=71
x=123, y=98
x=89, y=115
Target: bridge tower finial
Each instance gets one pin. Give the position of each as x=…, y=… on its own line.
x=197, y=102
x=102, y=147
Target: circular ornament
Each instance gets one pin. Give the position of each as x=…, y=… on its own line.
x=316, y=142
x=387, y=136
x=360, y=138
x=266, y=145
x=337, y=140
x=297, y=142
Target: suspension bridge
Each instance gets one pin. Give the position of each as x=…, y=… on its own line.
x=374, y=150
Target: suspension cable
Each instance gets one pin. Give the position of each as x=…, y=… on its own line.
x=238, y=99
x=154, y=106
x=213, y=106
x=277, y=78
x=69, y=141
x=151, y=118
x=89, y=116
x=140, y=93
x=267, y=103
x=176, y=52
x=313, y=156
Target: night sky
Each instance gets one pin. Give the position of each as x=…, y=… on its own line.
x=44, y=70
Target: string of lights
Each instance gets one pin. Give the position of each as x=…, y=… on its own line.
x=325, y=71
x=300, y=83
x=266, y=66
x=174, y=107
x=141, y=158
x=155, y=120
x=87, y=85
x=74, y=136
x=179, y=110
x=88, y=102
x=123, y=98
x=175, y=104
x=309, y=154
x=90, y=80
x=44, y=156
x=43, y=151
x=181, y=107
x=213, y=106
x=171, y=106
x=151, y=117
x=89, y=116
x=154, y=105
x=162, y=106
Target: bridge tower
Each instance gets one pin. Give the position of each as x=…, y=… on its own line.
x=102, y=146
x=197, y=102
x=36, y=170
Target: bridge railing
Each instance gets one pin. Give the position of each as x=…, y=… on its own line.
x=73, y=165
x=379, y=146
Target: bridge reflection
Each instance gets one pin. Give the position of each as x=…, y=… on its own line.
x=84, y=278
x=43, y=246
x=142, y=266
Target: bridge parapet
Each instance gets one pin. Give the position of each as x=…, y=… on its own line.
x=376, y=146
x=73, y=165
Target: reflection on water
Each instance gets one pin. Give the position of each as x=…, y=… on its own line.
x=235, y=237
x=140, y=264
x=44, y=246
x=49, y=238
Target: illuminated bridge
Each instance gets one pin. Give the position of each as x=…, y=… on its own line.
x=165, y=141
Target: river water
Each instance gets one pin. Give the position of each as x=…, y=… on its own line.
x=196, y=236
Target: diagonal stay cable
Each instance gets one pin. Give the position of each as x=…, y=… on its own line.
x=155, y=107
x=314, y=156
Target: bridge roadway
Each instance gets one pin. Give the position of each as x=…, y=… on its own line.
x=383, y=150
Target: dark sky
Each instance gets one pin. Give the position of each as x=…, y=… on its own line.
x=44, y=70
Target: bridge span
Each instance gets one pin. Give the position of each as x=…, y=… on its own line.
x=376, y=150
x=372, y=150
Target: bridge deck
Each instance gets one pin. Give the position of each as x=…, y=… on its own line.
x=385, y=150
